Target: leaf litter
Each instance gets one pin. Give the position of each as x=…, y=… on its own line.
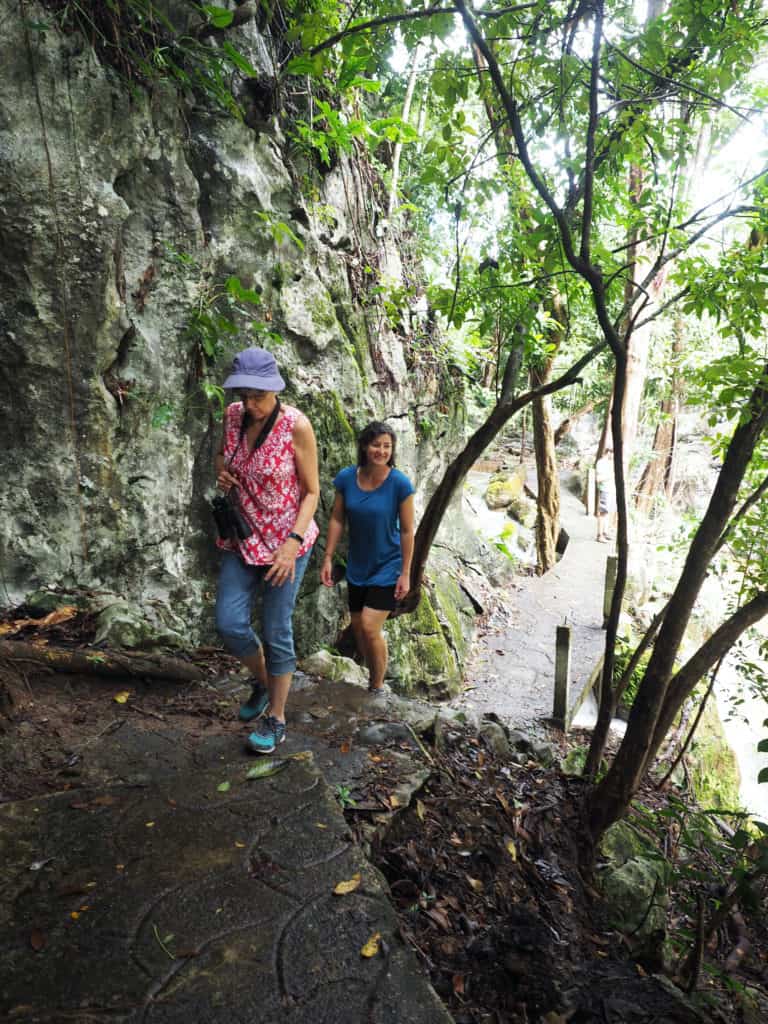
x=484, y=871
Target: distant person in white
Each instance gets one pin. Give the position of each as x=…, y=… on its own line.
x=606, y=495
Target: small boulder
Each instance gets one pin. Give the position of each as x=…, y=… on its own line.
x=523, y=511
x=543, y=753
x=520, y=741
x=495, y=737
x=504, y=487
x=334, y=667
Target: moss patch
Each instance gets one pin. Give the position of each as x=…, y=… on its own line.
x=421, y=658
x=714, y=771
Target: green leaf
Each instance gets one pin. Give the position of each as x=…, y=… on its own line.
x=223, y=787
x=240, y=61
x=306, y=65
x=219, y=17
x=763, y=775
x=762, y=747
x=236, y=289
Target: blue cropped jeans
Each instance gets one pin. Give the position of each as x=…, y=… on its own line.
x=240, y=585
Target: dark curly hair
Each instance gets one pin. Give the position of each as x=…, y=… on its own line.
x=374, y=429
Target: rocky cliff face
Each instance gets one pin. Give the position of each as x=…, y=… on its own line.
x=125, y=210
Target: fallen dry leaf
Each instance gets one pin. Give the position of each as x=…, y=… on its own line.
x=66, y=611
x=503, y=801
x=439, y=917
x=349, y=886
x=511, y=849
x=345, y=747
x=420, y=810
x=122, y=697
x=458, y=984
x=475, y=883
x=371, y=948
x=37, y=940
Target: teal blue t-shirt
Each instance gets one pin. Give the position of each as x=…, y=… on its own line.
x=375, y=558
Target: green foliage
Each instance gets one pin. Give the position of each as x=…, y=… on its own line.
x=625, y=647
x=220, y=322
x=279, y=230
x=333, y=132
x=142, y=41
x=344, y=797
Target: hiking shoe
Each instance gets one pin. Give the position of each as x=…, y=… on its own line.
x=256, y=704
x=267, y=735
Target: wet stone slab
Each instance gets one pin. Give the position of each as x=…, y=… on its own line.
x=180, y=902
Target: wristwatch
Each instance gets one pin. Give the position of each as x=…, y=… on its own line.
x=296, y=536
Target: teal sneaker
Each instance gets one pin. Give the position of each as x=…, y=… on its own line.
x=256, y=704
x=268, y=734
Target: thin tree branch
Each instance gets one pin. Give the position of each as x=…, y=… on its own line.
x=396, y=19
x=657, y=76
x=510, y=106
x=589, y=153
x=664, y=307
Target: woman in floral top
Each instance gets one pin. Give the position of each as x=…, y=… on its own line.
x=269, y=455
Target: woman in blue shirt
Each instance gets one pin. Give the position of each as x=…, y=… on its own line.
x=376, y=500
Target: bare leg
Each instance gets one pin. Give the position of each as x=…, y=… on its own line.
x=357, y=629
x=278, y=694
x=371, y=623
x=600, y=526
x=256, y=664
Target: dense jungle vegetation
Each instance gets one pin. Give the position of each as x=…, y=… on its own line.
x=583, y=186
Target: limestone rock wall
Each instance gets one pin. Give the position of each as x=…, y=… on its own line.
x=123, y=211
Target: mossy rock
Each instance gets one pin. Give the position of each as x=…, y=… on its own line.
x=504, y=488
x=523, y=511
x=633, y=882
x=426, y=648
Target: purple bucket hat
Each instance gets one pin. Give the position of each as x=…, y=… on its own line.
x=255, y=368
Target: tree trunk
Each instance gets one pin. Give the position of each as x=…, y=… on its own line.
x=548, y=497
x=611, y=797
x=658, y=475
x=548, y=481
x=638, y=339
x=609, y=692
x=101, y=663
x=398, y=151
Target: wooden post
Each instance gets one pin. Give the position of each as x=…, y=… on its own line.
x=589, y=497
x=611, y=569
x=562, y=675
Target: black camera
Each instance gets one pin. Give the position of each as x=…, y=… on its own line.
x=230, y=520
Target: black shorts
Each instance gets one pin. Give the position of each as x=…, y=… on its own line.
x=382, y=599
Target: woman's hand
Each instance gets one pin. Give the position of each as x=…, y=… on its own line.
x=402, y=586
x=225, y=481
x=284, y=566
x=326, y=572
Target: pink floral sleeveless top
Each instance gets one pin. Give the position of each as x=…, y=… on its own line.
x=269, y=490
